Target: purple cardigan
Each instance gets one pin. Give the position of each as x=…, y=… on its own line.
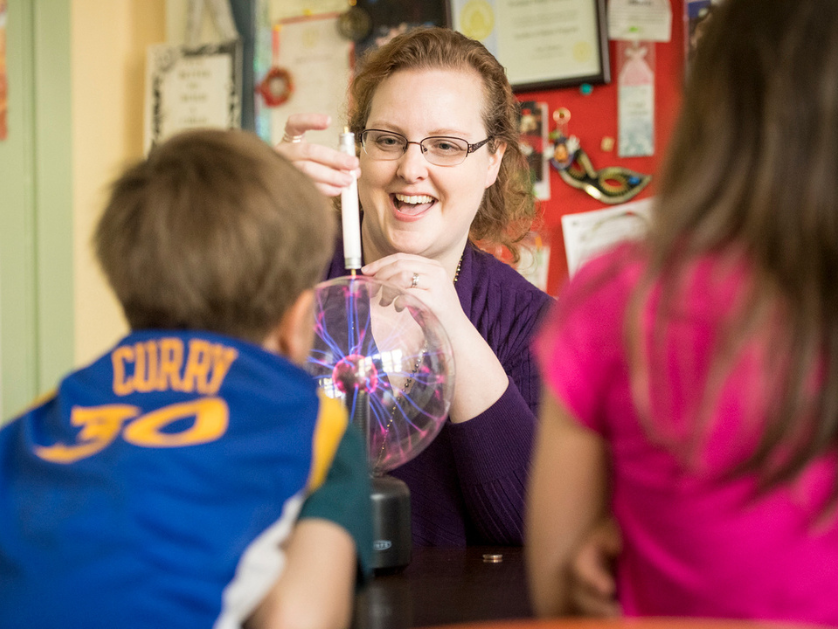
x=468, y=486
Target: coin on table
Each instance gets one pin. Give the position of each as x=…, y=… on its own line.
x=492, y=558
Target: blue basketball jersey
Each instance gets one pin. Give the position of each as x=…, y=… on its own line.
x=154, y=488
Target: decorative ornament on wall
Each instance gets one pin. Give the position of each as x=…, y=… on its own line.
x=564, y=146
x=355, y=23
x=611, y=185
x=277, y=86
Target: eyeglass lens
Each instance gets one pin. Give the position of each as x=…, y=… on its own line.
x=442, y=151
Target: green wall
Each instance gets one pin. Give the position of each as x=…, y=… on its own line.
x=36, y=257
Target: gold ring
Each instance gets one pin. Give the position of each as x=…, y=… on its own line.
x=293, y=139
x=415, y=281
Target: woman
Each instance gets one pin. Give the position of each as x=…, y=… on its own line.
x=692, y=381
x=440, y=169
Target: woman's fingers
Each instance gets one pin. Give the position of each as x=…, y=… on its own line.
x=423, y=278
x=593, y=586
x=298, y=124
x=329, y=169
x=407, y=271
x=328, y=179
x=403, y=266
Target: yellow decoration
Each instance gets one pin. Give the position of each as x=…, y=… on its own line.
x=477, y=20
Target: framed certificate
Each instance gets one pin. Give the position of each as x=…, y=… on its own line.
x=190, y=87
x=318, y=61
x=541, y=43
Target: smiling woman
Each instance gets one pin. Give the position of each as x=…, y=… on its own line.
x=440, y=170
x=410, y=204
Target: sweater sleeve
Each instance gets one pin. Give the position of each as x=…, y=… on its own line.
x=492, y=451
x=492, y=458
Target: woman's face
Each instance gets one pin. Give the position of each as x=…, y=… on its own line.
x=411, y=205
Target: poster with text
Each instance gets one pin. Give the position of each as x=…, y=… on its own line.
x=192, y=87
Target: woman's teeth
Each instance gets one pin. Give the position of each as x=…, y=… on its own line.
x=414, y=199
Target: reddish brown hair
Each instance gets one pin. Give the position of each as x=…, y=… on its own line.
x=508, y=209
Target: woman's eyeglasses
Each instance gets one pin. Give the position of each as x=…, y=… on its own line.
x=438, y=150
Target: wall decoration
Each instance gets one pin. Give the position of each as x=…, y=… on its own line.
x=287, y=9
x=647, y=20
x=541, y=43
x=277, y=86
x=636, y=98
x=613, y=184
x=388, y=18
x=564, y=146
x=317, y=62
x=192, y=87
x=535, y=259
x=532, y=127
x=590, y=233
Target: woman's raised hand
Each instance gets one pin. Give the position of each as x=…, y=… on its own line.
x=330, y=169
x=424, y=278
x=481, y=379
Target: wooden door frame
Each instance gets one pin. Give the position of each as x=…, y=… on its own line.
x=36, y=221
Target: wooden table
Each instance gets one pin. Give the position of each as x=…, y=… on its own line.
x=446, y=585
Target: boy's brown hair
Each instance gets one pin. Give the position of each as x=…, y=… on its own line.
x=213, y=231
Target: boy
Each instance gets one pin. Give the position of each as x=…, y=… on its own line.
x=161, y=485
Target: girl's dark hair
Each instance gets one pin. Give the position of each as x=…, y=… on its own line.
x=508, y=208
x=752, y=174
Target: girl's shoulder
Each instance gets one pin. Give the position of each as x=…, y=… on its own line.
x=608, y=277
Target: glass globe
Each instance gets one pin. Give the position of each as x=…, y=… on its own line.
x=381, y=352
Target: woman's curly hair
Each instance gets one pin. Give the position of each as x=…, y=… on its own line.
x=508, y=209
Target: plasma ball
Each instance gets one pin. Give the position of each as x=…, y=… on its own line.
x=355, y=373
x=387, y=358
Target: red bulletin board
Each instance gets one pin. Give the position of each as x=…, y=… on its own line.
x=594, y=116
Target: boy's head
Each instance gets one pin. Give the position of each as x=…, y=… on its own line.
x=214, y=231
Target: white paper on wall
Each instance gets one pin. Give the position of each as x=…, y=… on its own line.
x=588, y=234
x=318, y=59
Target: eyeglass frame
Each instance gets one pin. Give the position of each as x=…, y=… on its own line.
x=470, y=148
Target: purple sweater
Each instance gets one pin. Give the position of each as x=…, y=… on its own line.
x=468, y=486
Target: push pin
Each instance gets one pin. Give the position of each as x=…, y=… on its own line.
x=564, y=145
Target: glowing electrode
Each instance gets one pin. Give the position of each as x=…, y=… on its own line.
x=350, y=217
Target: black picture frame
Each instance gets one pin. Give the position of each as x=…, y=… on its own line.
x=169, y=110
x=551, y=11
x=388, y=18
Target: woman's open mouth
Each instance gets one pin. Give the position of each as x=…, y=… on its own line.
x=411, y=206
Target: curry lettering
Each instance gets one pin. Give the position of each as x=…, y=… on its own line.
x=101, y=425
x=163, y=365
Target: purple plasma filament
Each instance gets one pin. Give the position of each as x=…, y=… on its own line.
x=354, y=372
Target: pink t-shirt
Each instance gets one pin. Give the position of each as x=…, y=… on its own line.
x=694, y=545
